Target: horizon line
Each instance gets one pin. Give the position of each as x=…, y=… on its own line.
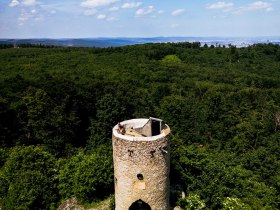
x=148, y=37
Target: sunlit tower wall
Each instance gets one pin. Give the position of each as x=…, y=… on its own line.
x=141, y=152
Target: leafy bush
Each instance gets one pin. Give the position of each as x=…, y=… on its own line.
x=87, y=176
x=27, y=179
x=171, y=59
x=234, y=204
x=191, y=202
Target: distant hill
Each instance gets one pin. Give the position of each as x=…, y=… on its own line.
x=115, y=42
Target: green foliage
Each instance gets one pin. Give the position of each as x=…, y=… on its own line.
x=220, y=103
x=86, y=177
x=215, y=175
x=31, y=190
x=112, y=202
x=109, y=112
x=171, y=59
x=234, y=204
x=45, y=122
x=4, y=154
x=27, y=179
x=191, y=202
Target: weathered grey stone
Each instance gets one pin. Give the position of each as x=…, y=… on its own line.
x=141, y=157
x=70, y=204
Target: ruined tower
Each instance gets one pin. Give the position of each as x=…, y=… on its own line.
x=141, y=164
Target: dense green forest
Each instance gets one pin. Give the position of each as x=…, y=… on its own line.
x=58, y=106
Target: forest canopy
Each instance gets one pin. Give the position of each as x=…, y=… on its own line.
x=58, y=107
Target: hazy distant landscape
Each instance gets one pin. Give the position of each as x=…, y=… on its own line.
x=116, y=42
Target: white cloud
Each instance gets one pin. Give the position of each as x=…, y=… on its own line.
x=32, y=15
x=178, y=12
x=89, y=12
x=97, y=3
x=29, y=2
x=269, y=9
x=113, y=9
x=101, y=17
x=14, y=3
x=25, y=16
x=111, y=19
x=30, y=10
x=130, y=5
x=146, y=11
x=160, y=12
x=260, y=5
x=221, y=5
x=229, y=7
x=26, y=3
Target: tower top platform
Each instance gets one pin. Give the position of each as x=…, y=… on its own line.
x=141, y=129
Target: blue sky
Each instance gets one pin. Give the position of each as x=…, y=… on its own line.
x=139, y=18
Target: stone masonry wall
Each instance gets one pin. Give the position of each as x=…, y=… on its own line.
x=148, y=158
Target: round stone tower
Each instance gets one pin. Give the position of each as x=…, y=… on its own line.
x=141, y=151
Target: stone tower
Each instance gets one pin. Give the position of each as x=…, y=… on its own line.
x=141, y=164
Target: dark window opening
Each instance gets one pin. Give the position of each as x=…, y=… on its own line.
x=140, y=176
x=153, y=153
x=130, y=152
x=155, y=127
x=139, y=205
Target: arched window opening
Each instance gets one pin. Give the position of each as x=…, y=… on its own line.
x=139, y=205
